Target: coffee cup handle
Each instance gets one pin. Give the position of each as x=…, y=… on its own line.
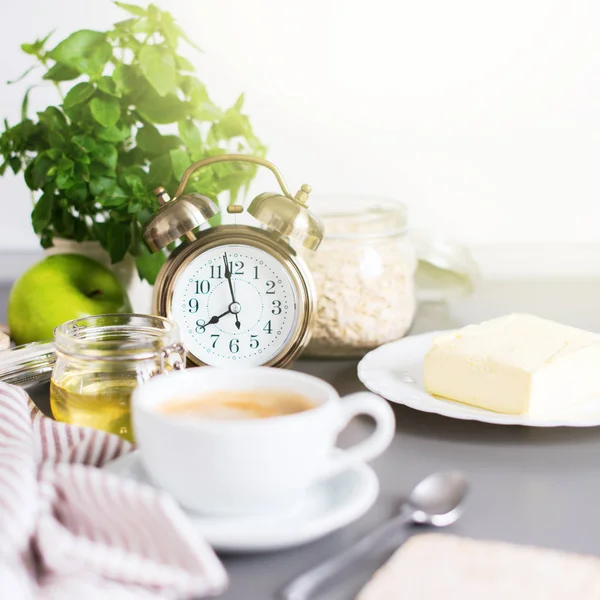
x=362, y=403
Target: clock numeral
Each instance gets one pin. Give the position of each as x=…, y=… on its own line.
x=256, y=272
x=237, y=267
x=268, y=328
x=203, y=287
x=215, y=338
x=194, y=304
x=276, y=310
x=234, y=346
x=216, y=271
x=200, y=326
x=254, y=342
x=270, y=287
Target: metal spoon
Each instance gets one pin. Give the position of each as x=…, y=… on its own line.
x=436, y=500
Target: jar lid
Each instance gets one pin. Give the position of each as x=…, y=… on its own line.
x=354, y=217
x=445, y=269
x=28, y=364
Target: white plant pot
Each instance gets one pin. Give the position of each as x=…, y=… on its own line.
x=139, y=292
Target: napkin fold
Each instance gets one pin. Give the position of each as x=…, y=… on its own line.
x=71, y=530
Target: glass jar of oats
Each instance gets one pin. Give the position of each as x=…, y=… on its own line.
x=364, y=276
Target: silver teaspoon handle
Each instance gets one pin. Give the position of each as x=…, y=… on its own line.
x=301, y=587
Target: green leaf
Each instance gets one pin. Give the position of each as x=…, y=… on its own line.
x=158, y=66
x=117, y=133
x=78, y=45
x=105, y=110
x=25, y=103
x=100, y=232
x=81, y=172
x=136, y=185
x=56, y=140
x=108, y=86
x=180, y=161
x=39, y=172
x=78, y=93
x=78, y=194
x=232, y=124
x=149, y=265
x=190, y=135
x=80, y=232
x=64, y=225
x=29, y=48
x=183, y=64
x=169, y=30
x=61, y=72
x=114, y=198
x=136, y=170
x=153, y=13
x=64, y=180
x=107, y=155
x=143, y=26
x=66, y=164
x=182, y=34
x=126, y=24
x=102, y=185
x=239, y=103
x=42, y=212
x=161, y=110
x=133, y=9
x=46, y=238
x=133, y=207
x=216, y=220
x=81, y=157
x=130, y=82
x=203, y=107
x=161, y=170
x=150, y=140
x=53, y=118
x=85, y=142
x=93, y=62
x=15, y=164
x=21, y=77
x=118, y=241
x=37, y=46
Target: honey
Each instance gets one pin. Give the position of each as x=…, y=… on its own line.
x=97, y=401
x=100, y=360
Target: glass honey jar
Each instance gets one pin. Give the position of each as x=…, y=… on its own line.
x=99, y=362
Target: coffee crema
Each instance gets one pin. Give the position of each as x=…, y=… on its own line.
x=237, y=405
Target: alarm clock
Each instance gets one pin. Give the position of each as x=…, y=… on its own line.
x=240, y=294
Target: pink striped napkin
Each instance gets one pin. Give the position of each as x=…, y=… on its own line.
x=69, y=530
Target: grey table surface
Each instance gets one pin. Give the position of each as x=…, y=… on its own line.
x=532, y=486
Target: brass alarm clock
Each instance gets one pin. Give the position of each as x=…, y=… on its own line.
x=240, y=294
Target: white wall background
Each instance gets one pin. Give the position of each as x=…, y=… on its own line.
x=483, y=116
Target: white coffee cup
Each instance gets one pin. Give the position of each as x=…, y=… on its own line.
x=241, y=467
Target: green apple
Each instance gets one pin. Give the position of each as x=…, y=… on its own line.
x=60, y=288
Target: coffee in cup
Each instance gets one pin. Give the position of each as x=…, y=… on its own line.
x=238, y=405
x=246, y=442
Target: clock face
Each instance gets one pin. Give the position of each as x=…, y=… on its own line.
x=236, y=305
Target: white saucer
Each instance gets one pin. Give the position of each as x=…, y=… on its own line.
x=326, y=507
x=395, y=371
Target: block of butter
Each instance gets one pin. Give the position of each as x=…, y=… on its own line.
x=517, y=364
x=435, y=565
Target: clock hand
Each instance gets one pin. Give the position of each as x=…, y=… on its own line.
x=215, y=319
x=228, y=276
x=233, y=300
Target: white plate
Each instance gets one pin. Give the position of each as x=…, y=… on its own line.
x=326, y=507
x=395, y=371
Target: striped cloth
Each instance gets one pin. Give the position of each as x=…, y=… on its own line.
x=69, y=530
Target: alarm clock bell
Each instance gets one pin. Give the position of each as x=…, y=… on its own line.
x=286, y=215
